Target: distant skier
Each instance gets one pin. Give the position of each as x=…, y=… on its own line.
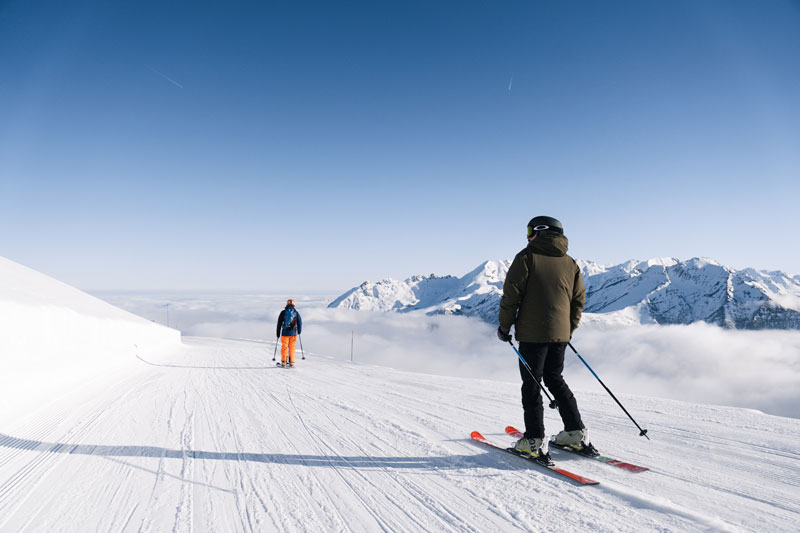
x=290, y=325
x=543, y=298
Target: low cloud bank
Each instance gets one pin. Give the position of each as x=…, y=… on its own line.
x=700, y=363
x=241, y=315
x=697, y=363
x=447, y=345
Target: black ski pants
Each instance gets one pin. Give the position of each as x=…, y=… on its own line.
x=547, y=362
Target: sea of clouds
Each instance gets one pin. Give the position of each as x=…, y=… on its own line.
x=697, y=363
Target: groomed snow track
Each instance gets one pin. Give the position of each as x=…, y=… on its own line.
x=216, y=438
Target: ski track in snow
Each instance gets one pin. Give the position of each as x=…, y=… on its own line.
x=215, y=438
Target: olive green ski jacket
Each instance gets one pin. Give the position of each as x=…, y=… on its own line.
x=543, y=295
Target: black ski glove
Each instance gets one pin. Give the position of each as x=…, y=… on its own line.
x=503, y=334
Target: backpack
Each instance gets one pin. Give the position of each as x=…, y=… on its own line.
x=290, y=319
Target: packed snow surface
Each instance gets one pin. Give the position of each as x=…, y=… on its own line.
x=213, y=437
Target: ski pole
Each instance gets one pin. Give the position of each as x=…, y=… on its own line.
x=553, y=403
x=274, y=353
x=642, y=432
x=301, y=345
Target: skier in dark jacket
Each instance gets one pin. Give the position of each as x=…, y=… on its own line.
x=543, y=298
x=290, y=325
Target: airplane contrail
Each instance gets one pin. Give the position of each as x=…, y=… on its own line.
x=510, y=82
x=165, y=77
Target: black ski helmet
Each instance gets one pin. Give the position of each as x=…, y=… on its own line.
x=544, y=224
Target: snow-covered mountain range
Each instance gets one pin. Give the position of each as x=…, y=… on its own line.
x=660, y=291
x=475, y=294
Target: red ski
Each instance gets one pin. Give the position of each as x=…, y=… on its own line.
x=517, y=434
x=552, y=467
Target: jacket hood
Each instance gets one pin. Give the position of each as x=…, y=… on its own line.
x=552, y=244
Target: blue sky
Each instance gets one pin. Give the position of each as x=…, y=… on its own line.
x=314, y=145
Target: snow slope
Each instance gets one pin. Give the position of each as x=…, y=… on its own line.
x=215, y=438
x=54, y=336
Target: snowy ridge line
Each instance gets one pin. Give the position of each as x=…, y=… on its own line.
x=657, y=291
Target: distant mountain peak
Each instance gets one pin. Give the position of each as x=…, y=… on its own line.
x=661, y=290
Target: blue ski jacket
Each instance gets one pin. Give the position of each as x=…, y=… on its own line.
x=282, y=331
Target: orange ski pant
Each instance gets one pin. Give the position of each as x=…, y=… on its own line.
x=287, y=348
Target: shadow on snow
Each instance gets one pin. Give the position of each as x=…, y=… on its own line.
x=450, y=462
